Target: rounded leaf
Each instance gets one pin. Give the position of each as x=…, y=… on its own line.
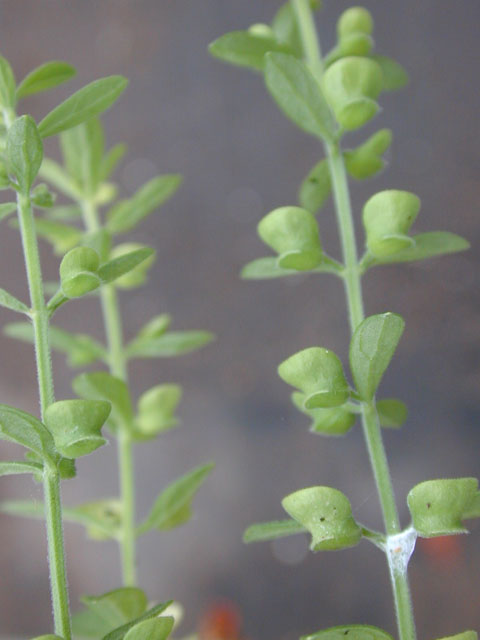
x=356, y=44
x=138, y=275
x=327, y=514
x=293, y=233
x=387, y=218
x=366, y=160
x=156, y=408
x=438, y=506
x=24, y=151
x=351, y=86
x=335, y=421
x=355, y=20
x=76, y=425
x=319, y=374
x=78, y=272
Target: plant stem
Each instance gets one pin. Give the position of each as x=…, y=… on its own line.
x=51, y=476
x=353, y=289
x=118, y=367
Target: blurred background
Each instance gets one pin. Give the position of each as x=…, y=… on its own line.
x=185, y=112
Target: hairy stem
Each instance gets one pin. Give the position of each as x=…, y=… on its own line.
x=118, y=367
x=353, y=289
x=51, y=476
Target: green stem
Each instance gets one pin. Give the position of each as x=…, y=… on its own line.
x=51, y=477
x=118, y=367
x=353, y=289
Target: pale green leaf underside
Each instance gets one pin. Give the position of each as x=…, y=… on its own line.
x=14, y=468
x=119, y=634
x=427, y=245
x=265, y=531
x=173, y=343
x=354, y=632
x=10, y=302
x=267, y=268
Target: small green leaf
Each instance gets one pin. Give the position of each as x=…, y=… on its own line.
x=7, y=85
x=371, y=349
x=59, y=178
x=366, y=160
x=127, y=214
x=101, y=518
x=327, y=514
x=84, y=104
x=129, y=265
x=6, y=208
x=392, y=413
x=154, y=612
x=438, y=506
x=285, y=28
x=465, y=635
x=354, y=20
x=156, y=327
x=23, y=508
x=156, y=409
x=173, y=507
x=265, y=531
x=318, y=373
x=24, y=151
x=246, y=49
x=173, y=343
x=46, y=76
x=14, y=468
x=103, y=386
x=352, y=86
x=354, y=632
x=61, y=236
x=78, y=272
x=101, y=242
x=76, y=425
x=334, y=421
x=26, y=430
x=49, y=636
x=10, y=302
x=153, y=629
x=427, y=245
x=41, y=197
x=266, y=269
x=82, y=149
x=111, y=159
x=293, y=233
x=63, y=212
x=298, y=95
x=394, y=75
x=316, y=188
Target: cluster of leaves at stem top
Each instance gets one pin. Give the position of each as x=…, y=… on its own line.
x=92, y=263
x=327, y=98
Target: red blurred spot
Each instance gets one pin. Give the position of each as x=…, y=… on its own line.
x=443, y=552
x=222, y=621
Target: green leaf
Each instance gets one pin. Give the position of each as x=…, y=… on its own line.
x=156, y=327
x=101, y=242
x=293, y=233
x=354, y=632
x=108, y=611
x=23, y=508
x=426, y=245
x=298, y=95
x=14, y=468
x=153, y=629
x=103, y=386
x=127, y=263
x=392, y=413
x=173, y=343
x=366, y=160
x=285, y=28
x=64, y=212
x=327, y=514
x=156, y=409
x=371, y=349
x=154, y=612
x=26, y=430
x=63, y=237
x=316, y=188
x=101, y=518
x=246, y=49
x=78, y=272
x=173, y=507
x=24, y=151
x=6, y=208
x=41, y=197
x=438, y=507
x=265, y=269
x=473, y=509
x=265, y=531
x=10, y=302
x=318, y=373
x=49, y=636
x=7, y=85
x=46, y=76
x=59, y=178
x=127, y=214
x=465, y=635
x=84, y=104
x=394, y=75
x=334, y=421
x=82, y=149
x=76, y=425
x=111, y=159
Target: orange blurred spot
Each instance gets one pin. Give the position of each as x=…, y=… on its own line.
x=444, y=552
x=222, y=621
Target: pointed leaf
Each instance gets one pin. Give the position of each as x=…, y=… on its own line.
x=123, y=264
x=23, y=508
x=46, y=76
x=173, y=506
x=354, y=632
x=427, y=245
x=465, y=635
x=371, y=349
x=172, y=343
x=111, y=159
x=24, y=151
x=101, y=518
x=14, y=468
x=6, y=209
x=154, y=612
x=298, y=94
x=246, y=49
x=26, y=430
x=82, y=149
x=82, y=105
x=333, y=421
x=63, y=237
x=392, y=413
x=156, y=409
x=49, y=636
x=394, y=75
x=266, y=269
x=264, y=531
x=10, y=302
x=127, y=214
x=7, y=85
x=316, y=188
x=103, y=386
x=59, y=178
x=153, y=629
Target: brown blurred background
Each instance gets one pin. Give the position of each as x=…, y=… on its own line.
x=215, y=124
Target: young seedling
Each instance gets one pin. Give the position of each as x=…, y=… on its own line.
x=327, y=97
x=90, y=264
